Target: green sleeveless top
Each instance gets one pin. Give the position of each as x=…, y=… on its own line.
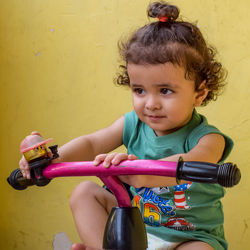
x=191, y=211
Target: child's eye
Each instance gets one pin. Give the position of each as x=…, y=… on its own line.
x=139, y=91
x=166, y=91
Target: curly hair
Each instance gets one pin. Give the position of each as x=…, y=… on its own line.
x=173, y=41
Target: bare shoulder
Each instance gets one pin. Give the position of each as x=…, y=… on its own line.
x=213, y=140
x=210, y=148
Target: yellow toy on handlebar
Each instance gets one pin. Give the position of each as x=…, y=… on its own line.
x=34, y=147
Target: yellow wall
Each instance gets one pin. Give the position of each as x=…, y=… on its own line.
x=57, y=62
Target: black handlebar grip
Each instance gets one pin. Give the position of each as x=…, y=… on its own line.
x=226, y=174
x=17, y=181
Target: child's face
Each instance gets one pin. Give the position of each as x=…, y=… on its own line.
x=162, y=97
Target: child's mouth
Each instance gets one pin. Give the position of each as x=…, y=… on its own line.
x=155, y=117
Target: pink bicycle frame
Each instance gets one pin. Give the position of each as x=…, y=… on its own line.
x=42, y=171
x=125, y=218
x=109, y=175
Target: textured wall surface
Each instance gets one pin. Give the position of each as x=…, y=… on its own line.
x=57, y=63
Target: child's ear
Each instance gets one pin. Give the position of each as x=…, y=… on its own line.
x=201, y=94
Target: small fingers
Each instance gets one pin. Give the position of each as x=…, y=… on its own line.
x=119, y=157
x=132, y=157
x=24, y=167
x=99, y=158
x=23, y=164
x=109, y=159
x=113, y=158
x=106, y=159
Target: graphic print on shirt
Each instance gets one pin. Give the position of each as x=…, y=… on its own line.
x=156, y=209
x=179, y=223
x=160, y=190
x=153, y=206
x=179, y=195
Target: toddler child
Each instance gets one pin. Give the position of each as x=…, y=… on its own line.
x=170, y=70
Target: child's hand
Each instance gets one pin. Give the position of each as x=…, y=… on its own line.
x=24, y=167
x=113, y=158
x=23, y=164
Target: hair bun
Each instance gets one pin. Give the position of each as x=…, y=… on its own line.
x=163, y=9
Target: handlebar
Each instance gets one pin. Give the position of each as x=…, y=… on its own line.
x=42, y=171
x=227, y=174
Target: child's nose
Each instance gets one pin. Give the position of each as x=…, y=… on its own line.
x=153, y=103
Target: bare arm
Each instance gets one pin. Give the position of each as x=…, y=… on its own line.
x=86, y=147
x=209, y=149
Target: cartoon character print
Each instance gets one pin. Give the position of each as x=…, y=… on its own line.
x=153, y=206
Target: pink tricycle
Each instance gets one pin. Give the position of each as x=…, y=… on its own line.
x=125, y=228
